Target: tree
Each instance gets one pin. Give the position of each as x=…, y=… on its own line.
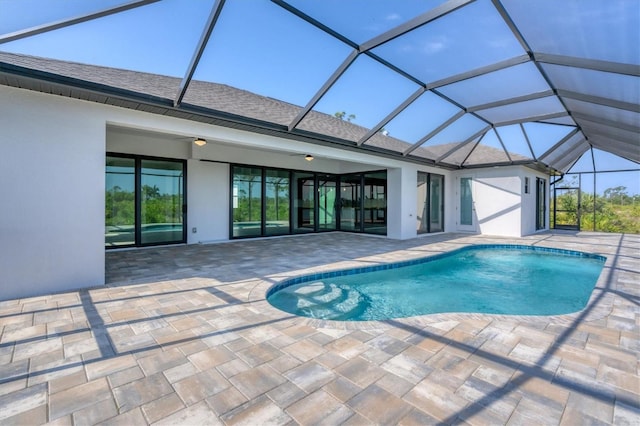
x=151, y=192
x=618, y=193
x=343, y=116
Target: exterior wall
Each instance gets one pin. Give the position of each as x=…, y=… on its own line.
x=207, y=182
x=501, y=206
x=53, y=161
x=402, y=184
x=52, y=194
x=496, y=195
x=207, y=202
x=529, y=202
x=396, y=209
x=450, y=224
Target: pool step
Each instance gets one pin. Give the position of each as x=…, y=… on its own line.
x=328, y=301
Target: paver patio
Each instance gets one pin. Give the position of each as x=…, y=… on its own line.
x=184, y=335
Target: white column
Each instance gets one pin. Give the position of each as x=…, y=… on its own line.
x=401, y=202
x=52, y=215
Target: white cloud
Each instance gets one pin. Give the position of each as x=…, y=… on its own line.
x=436, y=45
x=501, y=43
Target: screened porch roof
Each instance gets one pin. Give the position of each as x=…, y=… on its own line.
x=456, y=84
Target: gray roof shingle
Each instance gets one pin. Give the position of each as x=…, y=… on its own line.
x=231, y=100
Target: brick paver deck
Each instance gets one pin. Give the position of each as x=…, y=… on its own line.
x=183, y=335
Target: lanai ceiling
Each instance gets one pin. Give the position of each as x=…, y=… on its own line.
x=457, y=83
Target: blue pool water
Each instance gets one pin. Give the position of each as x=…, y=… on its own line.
x=511, y=280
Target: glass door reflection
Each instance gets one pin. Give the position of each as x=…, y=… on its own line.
x=277, y=188
x=327, y=197
x=120, y=202
x=161, y=202
x=375, y=203
x=350, y=195
x=247, y=201
x=465, y=205
x=304, y=202
x=422, y=215
x=436, y=204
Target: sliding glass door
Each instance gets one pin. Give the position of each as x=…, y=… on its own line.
x=120, y=202
x=466, y=210
x=422, y=215
x=374, y=203
x=277, y=204
x=161, y=200
x=261, y=201
x=327, y=199
x=144, y=200
x=315, y=203
x=269, y=201
x=350, y=208
x=541, y=205
x=430, y=209
x=247, y=201
x=304, y=202
x=436, y=203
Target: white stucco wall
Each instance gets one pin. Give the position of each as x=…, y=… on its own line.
x=395, y=203
x=529, y=201
x=52, y=194
x=497, y=202
x=207, y=201
x=52, y=162
x=53, y=152
x=501, y=206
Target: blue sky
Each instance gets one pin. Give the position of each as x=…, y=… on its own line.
x=260, y=47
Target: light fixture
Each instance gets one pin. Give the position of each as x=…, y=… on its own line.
x=200, y=142
x=308, y=157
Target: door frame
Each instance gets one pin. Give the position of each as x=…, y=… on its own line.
x=541, y=204
x=572, y=227
x=474, y=222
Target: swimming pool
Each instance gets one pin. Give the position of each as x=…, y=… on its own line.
x=493, y=279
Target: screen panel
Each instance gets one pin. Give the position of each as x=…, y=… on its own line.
x=362, y=20
x=585, y=29
x=468, y=38
x=268, y=51
x=129, y=45
x=365, y=94
x=499, y=85
x=523, y=110
x=42, y=12
x=625, y=88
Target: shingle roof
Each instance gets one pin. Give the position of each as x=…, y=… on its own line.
x=219, y=97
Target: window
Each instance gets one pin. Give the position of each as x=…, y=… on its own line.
x=304, y=202
x=277, y=196
x=430, y=208
x=120, y=202
x=247, y=201
x=541, y=206
x=327, y=202
x=375, y=203
x=436, y=203
x=144, y=201
x=363, y=202
x=350, y=203
x=466, y=201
